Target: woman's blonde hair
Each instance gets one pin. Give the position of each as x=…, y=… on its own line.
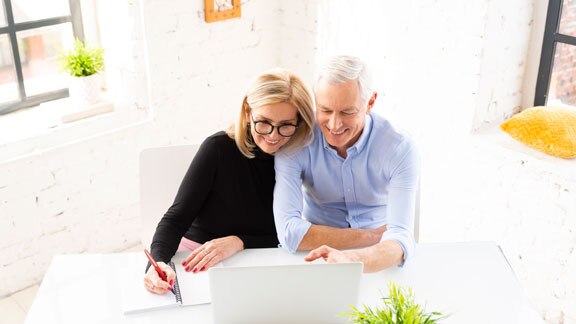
x=272, y=87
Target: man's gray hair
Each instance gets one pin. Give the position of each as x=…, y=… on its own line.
x=343, y=68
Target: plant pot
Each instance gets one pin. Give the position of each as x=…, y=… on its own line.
x=85, y=90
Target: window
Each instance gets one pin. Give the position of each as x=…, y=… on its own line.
x=32, y=34
x=556, y=84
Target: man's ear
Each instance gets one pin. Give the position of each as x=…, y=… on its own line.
x=371, y=101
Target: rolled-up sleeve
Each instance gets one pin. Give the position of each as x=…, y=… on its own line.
x=288, y=203
x=404, y=171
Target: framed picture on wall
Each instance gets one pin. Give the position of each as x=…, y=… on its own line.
x=215, y=10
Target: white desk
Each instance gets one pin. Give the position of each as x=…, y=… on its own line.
x=471, y=281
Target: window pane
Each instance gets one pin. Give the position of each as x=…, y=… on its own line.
x=27, y=10
x=562, y=89
x=568, y=19
x=2, y=15
x=39, y=50
x=8, y=81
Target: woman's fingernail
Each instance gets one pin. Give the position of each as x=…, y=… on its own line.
x=183, y=263
x=187, y=268
x=203, y=268
x=171, y=282
x=194, y=270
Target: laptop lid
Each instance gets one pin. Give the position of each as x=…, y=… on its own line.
x=306, y=293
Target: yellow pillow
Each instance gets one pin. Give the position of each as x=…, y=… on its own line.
x=551, y=130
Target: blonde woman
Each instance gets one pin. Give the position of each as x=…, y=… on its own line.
x=224, y=203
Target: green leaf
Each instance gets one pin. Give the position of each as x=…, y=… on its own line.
x=81, y=60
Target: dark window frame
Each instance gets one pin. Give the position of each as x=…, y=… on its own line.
x=11, y=29
x=552, y=36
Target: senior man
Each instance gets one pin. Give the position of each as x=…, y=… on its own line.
x=355, y=185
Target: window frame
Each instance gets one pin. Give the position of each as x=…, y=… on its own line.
x=552, y=37
x=12, y=28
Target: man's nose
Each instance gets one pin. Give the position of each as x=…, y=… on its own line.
x=334, y=121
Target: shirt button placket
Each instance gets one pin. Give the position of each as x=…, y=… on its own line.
x=348, y=191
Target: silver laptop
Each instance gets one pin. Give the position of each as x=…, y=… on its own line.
x=306, y=293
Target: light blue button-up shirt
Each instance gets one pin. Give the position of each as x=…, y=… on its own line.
x=374, y=185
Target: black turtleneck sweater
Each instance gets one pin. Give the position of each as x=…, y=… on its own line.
x=223, y=193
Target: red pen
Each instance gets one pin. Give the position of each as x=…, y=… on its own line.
x=161, y=273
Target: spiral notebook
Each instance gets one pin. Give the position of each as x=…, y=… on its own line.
x=189, y=289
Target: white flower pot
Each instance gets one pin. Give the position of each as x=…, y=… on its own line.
x=85, y=90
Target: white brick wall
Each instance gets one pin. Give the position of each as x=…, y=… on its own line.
x=524, y=201
x=442, y=69
x=83, y=196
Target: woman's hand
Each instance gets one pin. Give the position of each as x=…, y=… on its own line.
x=212, y=252
x=155, y=284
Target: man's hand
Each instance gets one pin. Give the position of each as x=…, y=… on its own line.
x=212, y=252
x=330, y=255
x=375, y=258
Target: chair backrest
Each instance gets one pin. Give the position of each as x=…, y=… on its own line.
x=161, y=172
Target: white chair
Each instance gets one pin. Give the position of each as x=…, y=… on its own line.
x=161, y=172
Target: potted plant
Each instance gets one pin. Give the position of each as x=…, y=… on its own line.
x=398, y=307
x=82, y=64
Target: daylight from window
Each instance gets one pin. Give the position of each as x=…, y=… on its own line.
x=38, y=48
x=562, y=89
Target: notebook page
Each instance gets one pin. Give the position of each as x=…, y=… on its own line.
x=194, y=287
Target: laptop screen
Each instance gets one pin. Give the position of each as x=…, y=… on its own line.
x=306, y=293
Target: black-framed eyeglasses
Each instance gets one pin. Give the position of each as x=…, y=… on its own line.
x=264, y=127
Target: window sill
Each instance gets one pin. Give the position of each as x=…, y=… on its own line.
x=38, y=129
x=500, y=144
